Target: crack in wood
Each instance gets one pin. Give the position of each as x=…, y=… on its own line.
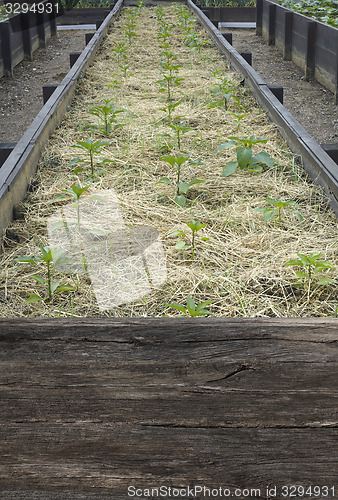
x=241, y=368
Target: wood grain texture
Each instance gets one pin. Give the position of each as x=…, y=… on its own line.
x=90, y=407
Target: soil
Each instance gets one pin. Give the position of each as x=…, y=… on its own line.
x=21, y=95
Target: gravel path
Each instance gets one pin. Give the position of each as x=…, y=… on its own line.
x=21, y=96
x=309, y=102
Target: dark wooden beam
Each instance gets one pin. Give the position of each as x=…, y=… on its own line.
x=91, y=406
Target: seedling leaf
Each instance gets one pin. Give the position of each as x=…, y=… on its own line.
x=34, y=298
x=229, y=168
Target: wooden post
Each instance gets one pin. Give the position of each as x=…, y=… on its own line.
x=336, y=69
x=228, y=37
x=287, y=50
x=88, y=37
x=47, y=91
x=247, y=56
x=52, y=21
x=331, y=150
x=26, y=35
x=5, y=150
x=73, y=57
x=5, y=33
x=217, y=14
x=278, y=91
x=272, y=24
x=310, y=50
x=41, y=29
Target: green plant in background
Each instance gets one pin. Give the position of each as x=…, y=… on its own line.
x=280, y=205
x=195, y=226
x=182, y=187
x=50, y=259
x=312, y=266
x=85, y=4
x=192, y=309
x=164, y=32
x=192, y=40
x=92, y=149
x=245, y=158
x=3, y=13
x=227, y=3
x=325, y=11
x=106, y=113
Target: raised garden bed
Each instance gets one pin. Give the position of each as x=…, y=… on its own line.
x=90, y=15
x=311, y=44
x=229, y=14
x=23, y=33
x=237, y=269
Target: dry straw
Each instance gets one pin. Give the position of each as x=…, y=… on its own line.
x=240, y=268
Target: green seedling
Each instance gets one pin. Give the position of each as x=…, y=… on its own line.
x=115, y=84
x=184, y=18
x=159, y=12
x=191, y=309
x=195, y=226
x=168, y=108
x=222, y=93
x=164, y=31
x=106, y=113
x=182, y=187
x=170, y=79
x=50, y=258
x=245, y=158
x=178, y=129
x=190, y=39
x=167, y=57
x=280, y=205
x=238, y=117
x=167, y=82
x=193, y=41
x=124, y=68
x=312, y=265
x=140, y=4
x=91, y=148
x=73, y=193
x=120, y=50
x=130, y=32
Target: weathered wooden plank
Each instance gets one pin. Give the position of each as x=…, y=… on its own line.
x=90, y=407
x=191, y=394
x=307, y=329
x=104, y=458
x=139, y=339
